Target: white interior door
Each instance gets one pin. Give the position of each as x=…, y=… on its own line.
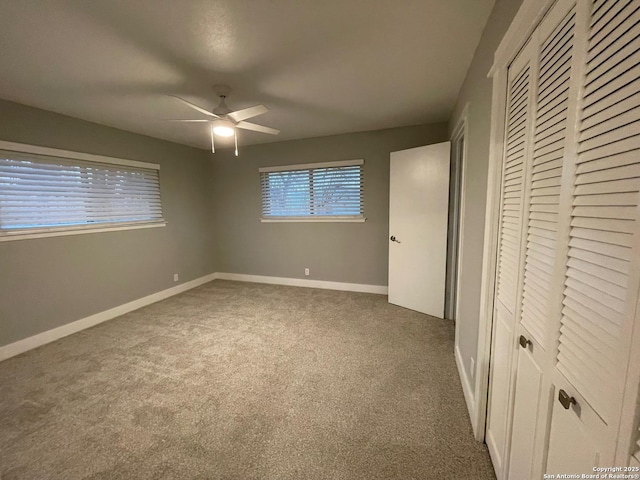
x=418, y=217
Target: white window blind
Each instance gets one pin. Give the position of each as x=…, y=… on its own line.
x=41, y=193
x=322, y=191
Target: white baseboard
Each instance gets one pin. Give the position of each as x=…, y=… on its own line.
x=301, y=282
x=52, y=335
x=466, y=388
x=49, y=336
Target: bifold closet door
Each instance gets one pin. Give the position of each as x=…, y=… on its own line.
x=554, y=69
x=510, y=257
x=603, y=263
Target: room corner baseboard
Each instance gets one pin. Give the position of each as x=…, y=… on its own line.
x=54, y=334
x=26, y=344
x=466, y=389
x=301, y=282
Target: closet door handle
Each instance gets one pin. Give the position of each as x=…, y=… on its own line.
x=524, y=341
x=566, y=400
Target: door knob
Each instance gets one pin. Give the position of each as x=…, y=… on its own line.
x=393, y=239
x=566, y=400
x=524, y=341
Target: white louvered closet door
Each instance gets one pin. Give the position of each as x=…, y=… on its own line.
x=602, y=268
x=517, y=143
x=510, y=257
x=553, y=69
x=552, y=104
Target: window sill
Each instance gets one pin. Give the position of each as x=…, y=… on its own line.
x=314, y=220
x=76, y=230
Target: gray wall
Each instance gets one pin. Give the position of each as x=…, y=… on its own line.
x=476, y=91
x=47, y=282
x=341, y=252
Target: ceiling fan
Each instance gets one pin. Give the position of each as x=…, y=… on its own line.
x=224, y=121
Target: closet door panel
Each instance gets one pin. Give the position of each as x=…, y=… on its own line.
x=568, y=266
x=572, y=448
x=517, y=143
x=497, y=421
x=635, y=449
x=599, y=303
x=553, y=84
x=555, y=62
x=509, y=271
x=602, y=265
x=528, y=391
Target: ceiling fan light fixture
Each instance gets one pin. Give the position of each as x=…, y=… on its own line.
x=225, y=122
x=223, y=128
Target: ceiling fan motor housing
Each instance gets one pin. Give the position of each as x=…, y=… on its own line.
x=222, y=91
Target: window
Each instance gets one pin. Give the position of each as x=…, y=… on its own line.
x=329, y=191
x=52, y=192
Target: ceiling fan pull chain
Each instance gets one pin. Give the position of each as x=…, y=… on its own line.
x=213, y=148
x=235, y=136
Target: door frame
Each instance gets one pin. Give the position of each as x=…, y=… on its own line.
x=459, y=132
x=526, y=20
x=456, y=217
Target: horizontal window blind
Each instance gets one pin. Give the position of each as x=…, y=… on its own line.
x=328, y=190
x=47, y=193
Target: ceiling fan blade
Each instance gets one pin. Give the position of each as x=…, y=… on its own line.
x=257, y=128
x=195, y=107
x=183, y=120
x=240, y=115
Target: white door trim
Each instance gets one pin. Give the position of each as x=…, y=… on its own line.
x=523, y=24
x=461, y=130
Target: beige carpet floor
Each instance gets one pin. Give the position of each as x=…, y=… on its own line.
x=243, y=381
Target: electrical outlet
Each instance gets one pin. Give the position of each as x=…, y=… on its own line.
x=306, y=272
x=473, y=368
x=176, y=277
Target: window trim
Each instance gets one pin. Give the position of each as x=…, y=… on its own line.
x=307, y=166
x=311, y=218
x=42, y=232
x=326, y=219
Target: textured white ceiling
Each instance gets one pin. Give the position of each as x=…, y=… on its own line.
x=322, y=67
